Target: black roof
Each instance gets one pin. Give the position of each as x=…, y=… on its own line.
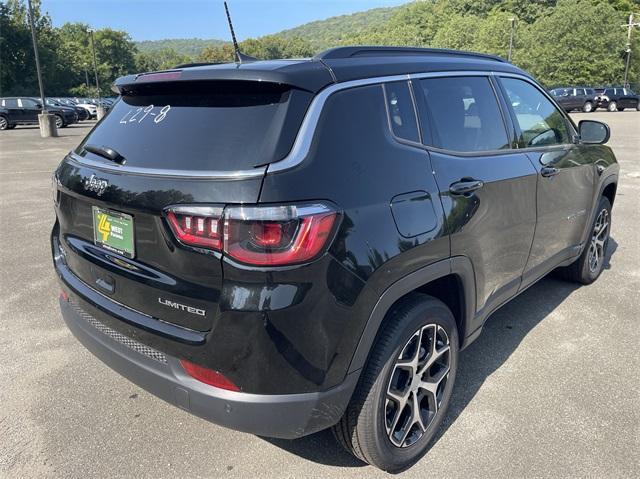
x=336, y=65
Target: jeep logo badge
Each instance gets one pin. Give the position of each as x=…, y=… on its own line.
x=95, y=184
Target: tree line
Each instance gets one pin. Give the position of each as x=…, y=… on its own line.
x=561, y=42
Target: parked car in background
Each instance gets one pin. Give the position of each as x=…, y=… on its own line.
x=576, y=98
x=90, y=107
x=618, y=98
x=25, y=111
x=82, y=113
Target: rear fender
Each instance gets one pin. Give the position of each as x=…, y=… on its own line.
x=459, y=265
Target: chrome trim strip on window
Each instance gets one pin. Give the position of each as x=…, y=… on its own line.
x=305, y=135
x=201, y=175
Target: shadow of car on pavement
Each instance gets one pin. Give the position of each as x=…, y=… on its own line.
x=503, y=332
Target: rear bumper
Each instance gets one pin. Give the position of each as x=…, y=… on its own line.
x=284, y=416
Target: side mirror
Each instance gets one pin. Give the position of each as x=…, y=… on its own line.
x=38, y=106
x=593, y=132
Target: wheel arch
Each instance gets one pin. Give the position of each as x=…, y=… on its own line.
x=609, y=191
x=608, y=188
x=452, y=281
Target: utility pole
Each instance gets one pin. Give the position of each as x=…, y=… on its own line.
x=100, y=109
x=86, y=74
x=513, y=24
x=629, y=26
x=46, y=121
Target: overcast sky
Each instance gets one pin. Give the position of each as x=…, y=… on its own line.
x=157, y=19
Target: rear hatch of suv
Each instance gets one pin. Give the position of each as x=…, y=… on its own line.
x=167, y=143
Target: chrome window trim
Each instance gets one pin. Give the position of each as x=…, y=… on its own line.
x=302, y=144
x=167, y=173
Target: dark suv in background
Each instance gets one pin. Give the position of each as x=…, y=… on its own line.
x=24, y=111
x=81, y=112
x=286, y=246
x=618, y=98
x=576, y=98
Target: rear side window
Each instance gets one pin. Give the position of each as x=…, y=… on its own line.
x=402, y=115
x=27, y=103
x=464, y=114
x=200, y=126
x=541, y=123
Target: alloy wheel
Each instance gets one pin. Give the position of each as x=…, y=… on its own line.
x=3, y=123
x=598, y=241
x=417, y=383
x=59, y=123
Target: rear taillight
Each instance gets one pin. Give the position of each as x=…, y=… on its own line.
x=197, y=226
x=257, y=235
x=208, y=376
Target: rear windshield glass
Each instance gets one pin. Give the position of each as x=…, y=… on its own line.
x=201, y=125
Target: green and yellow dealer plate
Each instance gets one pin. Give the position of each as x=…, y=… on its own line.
x=113, y=231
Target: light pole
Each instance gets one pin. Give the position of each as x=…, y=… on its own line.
x=513, y=24
x=46, y=121
x=100, y=109
x=86, y=75
x=629, y=26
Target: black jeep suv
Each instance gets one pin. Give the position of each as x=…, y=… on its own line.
x=286, y=246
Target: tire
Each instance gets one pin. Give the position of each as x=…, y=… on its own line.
x=620, y=108
x=59, y=122
x=638, y=107
x=4, y=123
x=583, y=270
x=613, y=106
x=588, y=107
x=373, y=426
x=11, y=127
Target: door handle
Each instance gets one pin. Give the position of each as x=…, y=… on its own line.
x=464, y=187
x=548, y=171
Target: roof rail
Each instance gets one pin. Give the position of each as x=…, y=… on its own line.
x=376, y=51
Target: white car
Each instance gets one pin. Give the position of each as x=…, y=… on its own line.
x=90, y=107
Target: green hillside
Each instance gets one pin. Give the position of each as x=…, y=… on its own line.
x=333, y=31
x=184, y=46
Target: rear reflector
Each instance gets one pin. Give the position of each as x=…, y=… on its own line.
x=257, y=235
x=208, y=376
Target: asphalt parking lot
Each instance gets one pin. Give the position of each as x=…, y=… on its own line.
x=550, y=389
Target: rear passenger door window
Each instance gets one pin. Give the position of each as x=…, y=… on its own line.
x=401, y=111
x=463, y=114
x=540, y=122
